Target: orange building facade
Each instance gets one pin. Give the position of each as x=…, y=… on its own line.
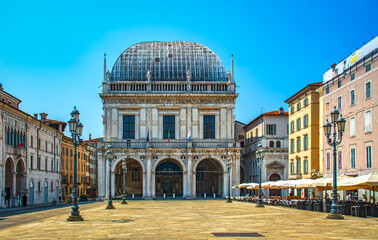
x=68, y=168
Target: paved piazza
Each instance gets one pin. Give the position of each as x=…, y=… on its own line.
x=196, y=219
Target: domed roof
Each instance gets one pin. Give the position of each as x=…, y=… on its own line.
x=168, y=61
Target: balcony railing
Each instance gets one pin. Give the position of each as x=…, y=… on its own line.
x=173, y=144
x=169, y=87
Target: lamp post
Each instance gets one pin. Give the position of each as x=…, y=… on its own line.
x=260, y=156
x=124, y=168
x=334, y=141
x=229, y=164
x=110, y=156
x=76, y=129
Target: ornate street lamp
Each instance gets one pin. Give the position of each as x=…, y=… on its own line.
x=124, y=168
x=334, y=141
x=260, y=153
x=110, y=156
x=229, y=164
x=76, y=129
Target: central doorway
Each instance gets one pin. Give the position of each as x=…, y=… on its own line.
x=169, y=179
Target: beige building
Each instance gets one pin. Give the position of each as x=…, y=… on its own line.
x=270, y=130
x=351, y=86
x=245, y=165
x=29, y=156
x=169, y=111
x=304, y=133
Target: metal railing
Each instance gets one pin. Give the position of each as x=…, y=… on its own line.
x=173, y=144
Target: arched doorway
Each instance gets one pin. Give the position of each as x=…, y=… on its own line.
x=209, y=178
x=133, y=180
x=9, y=168
x=20, y=179
x=274, y=192
x=169, y=179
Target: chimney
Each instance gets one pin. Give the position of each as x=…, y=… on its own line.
x=43, y=117
x=36, y=115
x=281, y=111
x=1, y=86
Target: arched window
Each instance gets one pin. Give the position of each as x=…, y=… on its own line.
x=278, y=144
x=271, y=144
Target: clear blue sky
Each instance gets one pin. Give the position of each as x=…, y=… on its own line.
x=51, y=53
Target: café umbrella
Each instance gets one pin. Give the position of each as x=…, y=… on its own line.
x=369, y=181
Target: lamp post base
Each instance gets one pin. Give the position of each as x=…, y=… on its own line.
x=123, y=202
x=229, y=200
x=335, y=216
x=75, y=218
x=260, y=205
x=110, y=207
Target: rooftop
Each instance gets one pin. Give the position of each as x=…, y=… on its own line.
x=168, y=61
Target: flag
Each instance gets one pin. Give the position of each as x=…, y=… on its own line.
x=169, y=135
x=20, y=145
x=353, y=57
x=189, y=137
x=148, y=135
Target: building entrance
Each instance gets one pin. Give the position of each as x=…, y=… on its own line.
x=169, y=180
x=209, y=178
x=274, y=192
x=8, y=181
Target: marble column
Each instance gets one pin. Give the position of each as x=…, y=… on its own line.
x=189, y=193
x=113, y=184
x=184, y=184
x=148, y=182
x=194, y=184
x=101, y=177
x=225, y=183
x=144, y=184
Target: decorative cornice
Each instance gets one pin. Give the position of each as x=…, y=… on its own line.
x=169, y=108
x=128, y=108
x=209, y=108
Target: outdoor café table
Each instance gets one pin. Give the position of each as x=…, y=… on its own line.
x=359, y=211
x=373, y=210
x=346, y=208
x=310, y=205
x=318, y=207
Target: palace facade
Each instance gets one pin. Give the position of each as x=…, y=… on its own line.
x=169, y=111
x=29, y=155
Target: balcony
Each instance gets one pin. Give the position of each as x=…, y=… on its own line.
x=16, y=151
x=136, y=144
x=169, y=87
x=295, y=175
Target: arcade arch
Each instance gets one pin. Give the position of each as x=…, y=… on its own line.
x=169, y=178
x=20, y=178
x=209, y=177
x=9, y=170
x=134, y=178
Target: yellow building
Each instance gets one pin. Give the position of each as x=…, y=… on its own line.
x=68, y=166
x=304, y=133
x=321, y=132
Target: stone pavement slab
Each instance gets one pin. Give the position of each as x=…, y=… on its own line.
x=186, y=219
